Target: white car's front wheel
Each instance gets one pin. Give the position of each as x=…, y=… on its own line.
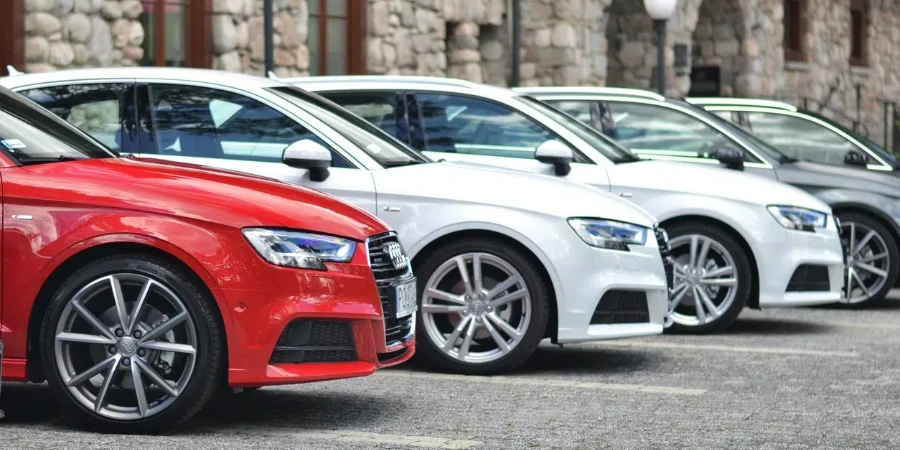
x=483, y=307
x=712, y=278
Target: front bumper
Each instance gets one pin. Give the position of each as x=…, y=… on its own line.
x=604, y=288
x=784, y=260
x=345, y=294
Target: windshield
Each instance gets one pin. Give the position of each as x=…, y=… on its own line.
x=609, y=148
x=862, y=139
x=382, y=147
x=750, y=139
x=31, y=135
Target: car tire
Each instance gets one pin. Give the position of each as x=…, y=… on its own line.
x=174, y=348
x=727, y=291
x=515, y=313
x=881, y=242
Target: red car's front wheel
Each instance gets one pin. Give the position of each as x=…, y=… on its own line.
x=132, y=344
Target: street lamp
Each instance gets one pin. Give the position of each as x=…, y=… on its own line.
x=660, y=11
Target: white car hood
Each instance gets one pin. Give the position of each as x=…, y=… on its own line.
x=481, y=184
x=690, y=178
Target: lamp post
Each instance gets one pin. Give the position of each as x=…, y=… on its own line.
x=660, y=11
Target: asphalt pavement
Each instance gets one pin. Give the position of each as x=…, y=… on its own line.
x=778, y=379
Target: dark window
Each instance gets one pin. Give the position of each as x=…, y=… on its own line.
x=96, y=109
x=799, y=138
x=658, y=131
x=859, y=33
x=168, y=40
x=795, y=30
x=210, y=123
x=336, y=37
x=381, y=109
x=457, y=124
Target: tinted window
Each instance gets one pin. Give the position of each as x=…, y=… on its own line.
x=210, y=123
x=381, y=109
x=654, y=130
x=799, y=138
x=457, y=124
x=595, y=113
x=96, y=109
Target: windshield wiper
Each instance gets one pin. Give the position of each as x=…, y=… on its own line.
x=29, y=160
x=390, y=164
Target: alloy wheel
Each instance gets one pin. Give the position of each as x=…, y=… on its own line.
x=125, y=346
x=868, y=262
x=705, y=282
x=476, y=307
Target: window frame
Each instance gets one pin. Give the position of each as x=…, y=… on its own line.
x=799, y=51
x=355, y=56
x=198, y=43
x=861, y=7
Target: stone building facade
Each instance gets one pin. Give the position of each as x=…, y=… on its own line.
x=563, y=42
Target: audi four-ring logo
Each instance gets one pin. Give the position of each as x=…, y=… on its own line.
x=398, y=259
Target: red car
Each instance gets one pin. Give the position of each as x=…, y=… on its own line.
x=136, y=289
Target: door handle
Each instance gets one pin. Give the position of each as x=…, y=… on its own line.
x=626, y=194
x=392, y=208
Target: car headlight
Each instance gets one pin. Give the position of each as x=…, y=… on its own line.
x=299, y=249
x=802, y=219
x=609, y=233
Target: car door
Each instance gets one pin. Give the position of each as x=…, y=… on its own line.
x=234, y=130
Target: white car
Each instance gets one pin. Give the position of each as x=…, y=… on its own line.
x=737, y=239
x=503, y=258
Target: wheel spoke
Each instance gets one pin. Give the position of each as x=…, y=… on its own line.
x=445, y=296
x=872, y=269
x=93, y=320
x=704, y=250
x=681, y=290
x=157, y=379
x=168, y=347
x=860, y=282
x=862, y=242
x=872, y=258
x=719, y=282
x=431, y=308
x=518, y=295
x=467, y=340
x=138, y=381
x=451, y=340
x=119, y=299
x=104, y=388
x=507, y=328
x=721, y=271
x=678, y=269
x=501, y=342
x=852, y=242
x=693, y=260
x=503, y=286
x=164, y=328
x=708, y=303
x=136, y=310
x=698, y=306
x=476, y=273
x=79, y=379
x=464, y=274
x=849, y=283
x=85, y=338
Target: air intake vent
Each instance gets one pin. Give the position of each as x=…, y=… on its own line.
x=618, y=307
x=306, y=341
x=810, y=278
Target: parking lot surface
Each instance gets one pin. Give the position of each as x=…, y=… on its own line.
x=796, y=378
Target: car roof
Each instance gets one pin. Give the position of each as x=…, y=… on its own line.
x=587, y=90
x=158, y=73
x=735, y=101
x=396, y=82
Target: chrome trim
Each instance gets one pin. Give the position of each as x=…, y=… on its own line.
x=399, y=343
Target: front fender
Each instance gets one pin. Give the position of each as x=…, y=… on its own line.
x=885, y=208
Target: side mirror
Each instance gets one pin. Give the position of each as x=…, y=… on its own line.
x=854, y=158
x=308, y=154
x=556, y=153
x=730, y=158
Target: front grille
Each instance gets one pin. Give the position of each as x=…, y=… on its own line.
x=810, y=278
x=662, y=239
x=305, y=341
x=618, y=307
x=386, y=278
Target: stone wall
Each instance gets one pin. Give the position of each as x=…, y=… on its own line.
x=63, y=34
x=238, y=37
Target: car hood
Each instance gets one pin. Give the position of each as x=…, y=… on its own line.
x=473, y=183
x=200, y=193
x=711, y=181
x=822, y=176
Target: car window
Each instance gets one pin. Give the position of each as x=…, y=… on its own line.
x=799, y=138
x=655, y=130
x=383, y=109
x=594, y=113
x=96, y=109
x=459, y=124
x=211, y=123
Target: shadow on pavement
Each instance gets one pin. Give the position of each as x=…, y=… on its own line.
x=776, y=326
x=596, y=360
x=890, y=304
x=28, y=403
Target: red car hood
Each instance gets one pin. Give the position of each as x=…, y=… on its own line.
x=191, y=191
